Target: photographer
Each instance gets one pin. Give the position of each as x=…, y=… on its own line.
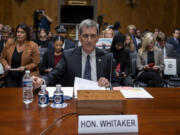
x=41, y=20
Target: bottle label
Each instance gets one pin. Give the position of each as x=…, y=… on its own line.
x=27, y=83
x=58, y=99
x=43, y=99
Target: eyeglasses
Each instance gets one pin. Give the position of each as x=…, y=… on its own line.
x=86, y=36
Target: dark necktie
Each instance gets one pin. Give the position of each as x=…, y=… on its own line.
x=87, y=70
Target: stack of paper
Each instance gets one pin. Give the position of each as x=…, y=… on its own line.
x=130, y=92
x=83, y=84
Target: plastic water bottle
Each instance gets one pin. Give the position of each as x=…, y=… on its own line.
x=27, y=85
x=58, y=97
x=43, y=97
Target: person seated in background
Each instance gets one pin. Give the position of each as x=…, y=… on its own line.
x=138, y=38
x=1, y=29
x=150, y=61
x=108, y=33
x=167, y=49
x=156, y=32
x=52, y=57
x=42, y=39
x=131, y=31
x=6, y=34
x=122, y=58
x=62, y=31
x=20, y=54
x=128, y=44
x=87, y=61
x=175, y=40
x=50, y=36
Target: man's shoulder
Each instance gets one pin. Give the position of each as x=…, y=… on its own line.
x=72, y=51
x=168, y=45
x=103, y=53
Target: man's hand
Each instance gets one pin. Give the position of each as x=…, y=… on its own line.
x=37, y=82
x=146, y=67
x=103, y=82
x=7, y=68
x=155, y=68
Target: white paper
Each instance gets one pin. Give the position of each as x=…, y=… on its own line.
x=68, y=91
x=170, y=67
x=116, y=124
x=135, y=93
x=83, y=84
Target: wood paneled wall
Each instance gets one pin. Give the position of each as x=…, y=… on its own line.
x=162, y=14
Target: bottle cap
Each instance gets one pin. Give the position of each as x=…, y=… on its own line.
x=58, y=85
x=43, y=87
x=27, y=72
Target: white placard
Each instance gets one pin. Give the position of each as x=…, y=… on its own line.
x=135, y=93
x=107, y=124
x=170, y=67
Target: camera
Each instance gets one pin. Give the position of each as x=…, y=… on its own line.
x=38, y=12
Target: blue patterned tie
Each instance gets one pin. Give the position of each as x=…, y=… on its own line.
x=87, y=70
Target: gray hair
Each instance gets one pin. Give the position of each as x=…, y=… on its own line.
x=88, y=23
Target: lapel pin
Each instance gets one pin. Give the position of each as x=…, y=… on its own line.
x=99, y=60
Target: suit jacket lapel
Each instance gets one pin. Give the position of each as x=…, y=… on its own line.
x=145, y=57
x=52, y=59
x=78, y=63
x=155, y=57
x=99, y=63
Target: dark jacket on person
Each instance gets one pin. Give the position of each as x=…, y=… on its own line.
x=176, y=44
x=70, y=67
x=122, y=57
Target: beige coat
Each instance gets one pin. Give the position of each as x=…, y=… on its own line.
x=30, y=56
x=142, y=61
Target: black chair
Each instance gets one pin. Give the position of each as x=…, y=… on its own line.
x=41, y=52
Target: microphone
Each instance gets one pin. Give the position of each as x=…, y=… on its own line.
x=110, y=76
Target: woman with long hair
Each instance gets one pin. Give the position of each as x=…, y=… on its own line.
x=20, y=54
x=52, y=57
x=122, y=58
x=129, y=43
x=150, y=62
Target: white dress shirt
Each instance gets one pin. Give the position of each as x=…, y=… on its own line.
x=92, y=63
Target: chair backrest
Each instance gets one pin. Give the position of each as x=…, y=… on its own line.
x=133, y=57
x=178, y=66
x=41, y=52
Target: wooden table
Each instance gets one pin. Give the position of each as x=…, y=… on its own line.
x=158, y=116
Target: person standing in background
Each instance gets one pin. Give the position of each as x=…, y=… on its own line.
x=20, y=54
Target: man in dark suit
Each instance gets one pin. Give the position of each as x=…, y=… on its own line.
x=167, y=49
x=86, y=61
x=62, y=31
x=175, y=40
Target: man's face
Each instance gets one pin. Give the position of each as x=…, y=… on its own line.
x=131, y=30
x=162, y=43
x=88, y=39
x=176, y=34
x=5, y=35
